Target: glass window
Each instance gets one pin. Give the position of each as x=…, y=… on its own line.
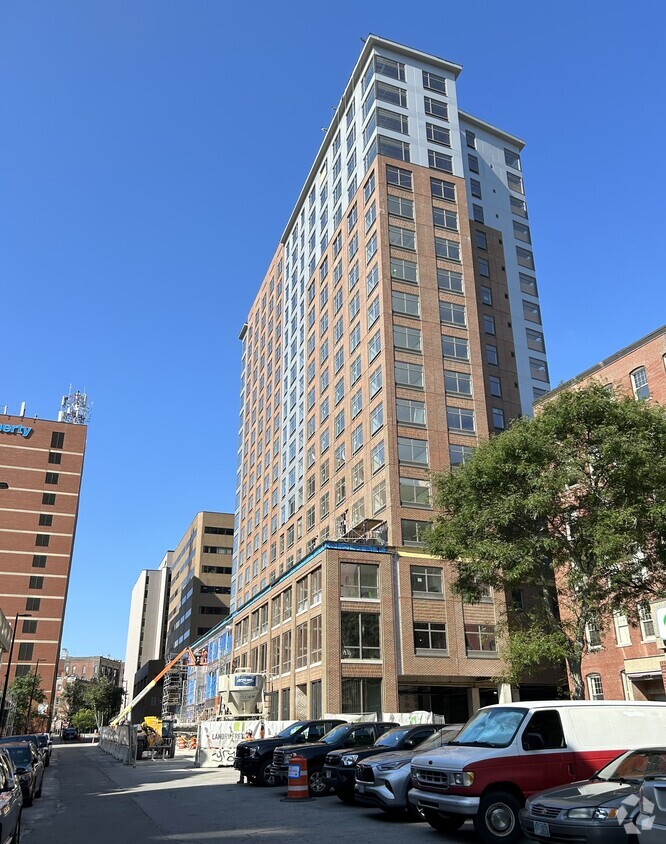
x=639, y=383
x=405, y=303
x=515, y=183
x=377, y=457
x=539, y=369
x=498, y=419
x=404, y=270
x=436, y=108
x=512, y=159
x=411, y=412
x=443, y=190
x=359, y=633
x=491, y=355
x=450, y=280
x=451, y=313
x=399, y=177
x=459, y=383
x=473, y=163
x=489, y=324
x=359, y=580
x=495, y=386
x=455, y=347
x=480, y=638
x=409, y=374
x=392, y=120
x=406, y=338
x=432, y=82
x=392, y=148
x=595, y=687
x=460, y=419
x=521, y=232
x=438, y=134
x=535, y=340
x=400, y=207
x=528, y=284
x=518, y=206
x=449, y=249
x=445, y=219
x=376, y=419
x=459, y=454
x=429, y=636
x=475, y=187
x=378, y=497
x=477, y=213
x=389, y=67
x=411, y=450
x=440, y=161
x=403, y=238
x=413, y=533
x=414, y=492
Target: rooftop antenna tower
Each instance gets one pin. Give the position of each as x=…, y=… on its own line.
x=75, y=408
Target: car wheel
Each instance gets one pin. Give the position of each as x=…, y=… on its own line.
x=317, y=784
x=443, y=822
x=413, y=812
x=346, y=797
x=264, y=776
x=497, y=819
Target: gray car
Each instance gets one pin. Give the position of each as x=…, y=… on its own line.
x=651, y=821
x=384, y=780
x=601, y=810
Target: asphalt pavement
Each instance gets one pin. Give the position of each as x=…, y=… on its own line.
x=91, y=798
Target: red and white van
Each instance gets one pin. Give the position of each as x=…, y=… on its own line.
x=507, y=752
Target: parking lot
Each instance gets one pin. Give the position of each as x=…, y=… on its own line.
x=88, y=796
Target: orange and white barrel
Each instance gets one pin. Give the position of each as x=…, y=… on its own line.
x=297, y=779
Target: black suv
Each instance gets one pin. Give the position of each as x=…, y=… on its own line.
x=344, y=736
x=340, y=768
x=254, y=758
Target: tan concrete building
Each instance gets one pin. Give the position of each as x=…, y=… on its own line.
x=626, y=662
x=398, y=324
x=200, y=583
x=41, y=463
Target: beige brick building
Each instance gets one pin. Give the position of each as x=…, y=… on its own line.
x=398, y=324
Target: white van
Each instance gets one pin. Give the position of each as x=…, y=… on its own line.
x=507, y=752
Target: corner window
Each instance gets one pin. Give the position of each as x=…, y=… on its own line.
x=359, y=580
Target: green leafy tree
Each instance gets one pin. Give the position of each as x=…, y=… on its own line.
x=74, y=696
x=84, y=720
x=26, y=691
x=571, y=507
x=103, y=698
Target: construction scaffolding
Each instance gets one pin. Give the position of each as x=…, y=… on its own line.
x=173, y=689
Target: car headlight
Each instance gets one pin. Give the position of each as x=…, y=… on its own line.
x=464, y=778
x=393, y=766
x=590, y=813
x=350, y=759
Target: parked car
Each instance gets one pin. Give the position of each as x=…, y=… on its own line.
x=340, y=767
x=29, y=769
x=385, y=780
x=255, y=758
x=70, y=734
x=508, y=752
x=592, y=810
x=46, y=745
x=650, y=825
x=32, y=738
x=11, y=800
x=346, y=736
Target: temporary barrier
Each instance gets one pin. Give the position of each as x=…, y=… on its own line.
x=193, y=743
x=297, y=778
x=217, y=740
x=119, y=742
x=181, y=743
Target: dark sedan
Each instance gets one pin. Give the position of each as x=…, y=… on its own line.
x=29, y=769
x=595, y=810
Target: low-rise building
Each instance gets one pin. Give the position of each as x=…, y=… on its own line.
x=626, y=662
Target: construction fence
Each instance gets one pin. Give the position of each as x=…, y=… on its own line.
x=119, y=742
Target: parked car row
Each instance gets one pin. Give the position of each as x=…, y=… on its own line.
x=22, y=763
x=555, y=771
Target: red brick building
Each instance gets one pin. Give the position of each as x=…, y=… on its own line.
x=71, y=668
x=627, y=662
x=41, y=463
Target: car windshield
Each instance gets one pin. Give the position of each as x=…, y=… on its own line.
x=334, y=735
x=635, y=765
x=43, y=740
x=494, y=727
x=291, y=729
x=392, y=738
x=438, y=739
x=20, y=755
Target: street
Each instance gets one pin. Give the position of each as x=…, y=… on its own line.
x=90, y=797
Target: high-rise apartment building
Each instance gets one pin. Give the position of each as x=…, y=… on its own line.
x=147, y=628
x=397, y=325
x=41, y=463
x=200, y=589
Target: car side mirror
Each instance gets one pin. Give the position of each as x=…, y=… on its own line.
x=409, y=744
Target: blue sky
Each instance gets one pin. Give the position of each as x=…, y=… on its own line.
x=150, y=155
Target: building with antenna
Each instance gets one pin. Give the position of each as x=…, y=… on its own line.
x=41, y=464
x=398, y=324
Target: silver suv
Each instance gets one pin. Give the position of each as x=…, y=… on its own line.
x=384, y=780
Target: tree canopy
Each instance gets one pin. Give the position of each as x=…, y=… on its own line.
x=26, y=693
x=99, y=696
x=569, y=506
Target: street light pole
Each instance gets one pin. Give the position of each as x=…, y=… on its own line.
x=9, y=665
x=32, y=694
